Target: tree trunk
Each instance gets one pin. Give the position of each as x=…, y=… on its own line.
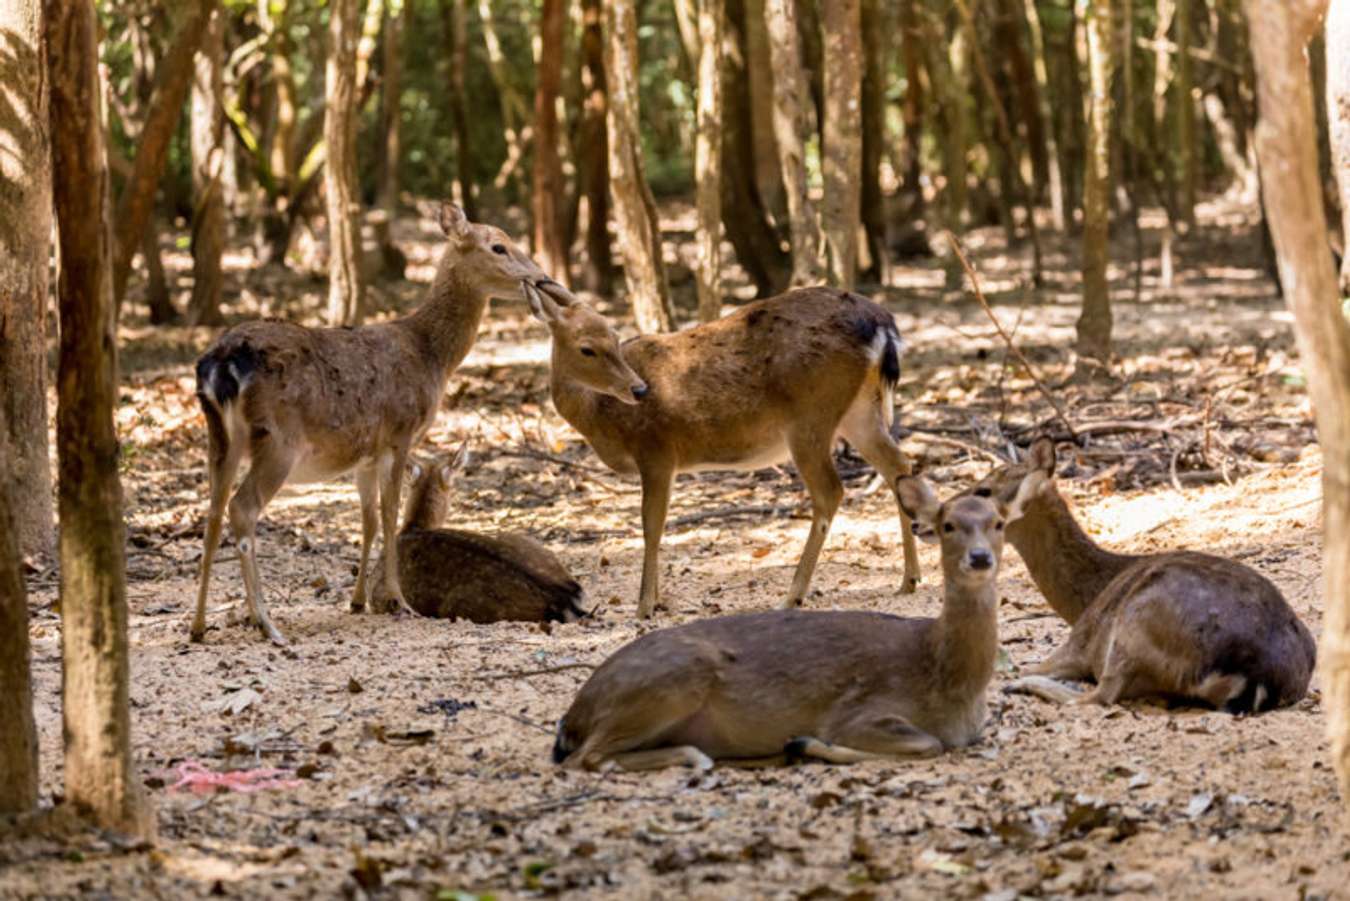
x=208, y=159
x=634, y=208
x=1061, y=46
x=18, y=740
x=708, y=159
x=547, y=195
x=841, y=141
x=1338, y=118
x=455, y=17
x=1054, y=173
x=1185, y=112
x=25, y=248
x=875, y=26
x=100, y=777
x=156, y=281
x=1286, y=146
x=346, y=302
x=911, y=166
x=759, y=83
x=172, y=82
x=514, y=112
x=790, y=128
x=391, y=123
x=1010, y=36
x=1094, y=324
x=593, y=151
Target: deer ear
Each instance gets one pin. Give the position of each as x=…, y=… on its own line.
x=458, y=461
x=1027, y=490
x=415, y=470
x=920, y=505
x=453, y=221
x=1041, y=456
x=541, y=305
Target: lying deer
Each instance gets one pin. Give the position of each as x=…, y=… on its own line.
x=310, y=404
x=779, y=378
x=839, y=686
x=484, y=578
x=1177, y=625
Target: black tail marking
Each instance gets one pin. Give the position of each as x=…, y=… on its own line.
x=890, y=357
x=561, y=748
x=223, y=372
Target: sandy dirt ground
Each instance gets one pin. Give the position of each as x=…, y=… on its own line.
x=416, y=751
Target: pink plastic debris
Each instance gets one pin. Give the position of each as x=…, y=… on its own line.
x=193, y=776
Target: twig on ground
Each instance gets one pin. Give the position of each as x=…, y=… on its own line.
x=923, y=435
x=690, y=519
x=525, y=674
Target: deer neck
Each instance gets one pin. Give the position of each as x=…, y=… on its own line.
x=574, y=401
x=448, y=320
x=1068, y=567
x=966, y=637
x=426, y=509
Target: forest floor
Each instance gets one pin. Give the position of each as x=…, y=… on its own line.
x=419, y=749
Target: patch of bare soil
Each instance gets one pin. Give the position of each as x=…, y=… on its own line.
x=420, y=747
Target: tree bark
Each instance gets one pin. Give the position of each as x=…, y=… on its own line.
x=790, y=128
x=593, y=151
x=841, y=141
x=1286, y=147
x=1054, y=174
x=18, y=740
x=455, y=17
x=156, y=280
x=708, y=159
x=1185, y=112
x=635, y=209
x=759, y=84
x=391, y=127
x=1094, y=324
x=208, y=159
x=100, y=777
x=1338, y=118
x=346, y=300
x=172, y=81
x=875, y=27
x=25, y=248
x=547, y=195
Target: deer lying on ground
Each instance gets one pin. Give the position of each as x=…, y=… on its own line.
x=1178, y=625
x=839, y=686
x=484, y=578
x=310, y=404
x=779, y=378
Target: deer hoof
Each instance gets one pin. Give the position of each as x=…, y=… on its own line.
x=358, y=606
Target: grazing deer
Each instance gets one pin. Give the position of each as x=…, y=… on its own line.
x=779, y=378
x=484, y=578
x=310, y=404
x=840, y=686
x=1178, y=625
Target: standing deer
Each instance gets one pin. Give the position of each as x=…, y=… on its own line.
x=839, y=686
x=779, y=378
x=310, y=404
x=1177, y=625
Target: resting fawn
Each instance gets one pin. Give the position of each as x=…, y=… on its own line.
x=840, y=686
x=779, y=378
x=1179, y=625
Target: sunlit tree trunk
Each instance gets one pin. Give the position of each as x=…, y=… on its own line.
x=25, y=247
x=1094, y=324
x=634, y=208
x=546, y=197
x=841, y=140
x=708, y=159
x=208, y=160
x=790, y=128
x=345, y=288
x=18, y=739
x=1338, y=116
x=1292, y=188
x=101, y=780
x=593, y=150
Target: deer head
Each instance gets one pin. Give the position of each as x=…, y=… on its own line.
x=429, y=499
x=485, y=256
x=1022, y=481
x=585, y=348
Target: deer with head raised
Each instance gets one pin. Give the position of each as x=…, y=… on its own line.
x=840, y=686
x=1178, y=625
x=780, y=378
x=310, y=404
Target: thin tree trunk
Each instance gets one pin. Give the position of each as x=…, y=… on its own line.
x=1094, y=325
x=841, y=150
x=456, y=20
x=208, y=159
x=1054, y=173
x=759, y=82
x=1061, y=45
x=635, y=209
x=156, y=282
x=547, y=196
x=100, y=777
x=790, y=128
x=1011, y=38
x=25, y=248
x=1185, y=112
x=172, y=81
x=346, y=304
x=18, y=739
x=1286, y=146
x=391, y=127
x=708, y=159
x=1338, y=118
x=913, y=112
x=876, y=25
x=593, y=150
x=514, y=112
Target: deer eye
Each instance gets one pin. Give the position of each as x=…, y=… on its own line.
x=499, y=249
x=948, y=527
x=984, y=492
x=587, y=352
x=998, y=526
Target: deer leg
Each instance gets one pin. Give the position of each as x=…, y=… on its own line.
x=1043, y=687
x=887, y=739
x=660, y=759
x=223, y=465
x=265, y=478
x=812, y=456
x=865, y=428
x=368, y=487
x=655, y=501
x=388, y=595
